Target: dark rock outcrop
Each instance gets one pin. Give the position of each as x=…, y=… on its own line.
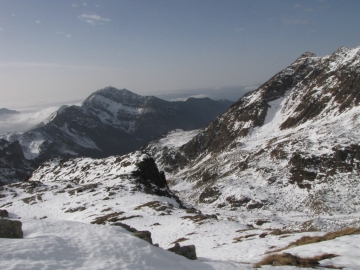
x=4, y=213
x=186, y=251
x=144, y=235
x=10, y=229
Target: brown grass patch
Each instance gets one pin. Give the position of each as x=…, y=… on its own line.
x=316, y=239
x=293, y=260
x=112, y=217
x=156, y=205
x=182, y=239
x=240, y=238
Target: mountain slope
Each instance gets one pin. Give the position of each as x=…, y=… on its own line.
x=292, y=145
x=111, y=122
x=80, y=204
x=73, y=214
x=13, y=163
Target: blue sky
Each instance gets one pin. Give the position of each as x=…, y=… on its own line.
x=53, y=50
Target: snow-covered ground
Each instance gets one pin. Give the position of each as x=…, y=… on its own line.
x=75, y=245
x=58, y=206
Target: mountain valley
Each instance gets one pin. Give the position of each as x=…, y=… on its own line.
x=282, y=163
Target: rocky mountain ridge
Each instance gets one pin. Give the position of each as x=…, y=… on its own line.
x=110, y=122
x=290, y=146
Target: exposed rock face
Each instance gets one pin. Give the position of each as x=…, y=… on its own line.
x=290, y=145
x=10, y=229
x=14, y=166
x=186, y=251
x=112, y=122
x=314, y=87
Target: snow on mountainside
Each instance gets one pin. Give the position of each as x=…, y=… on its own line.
x=291, y=146
x=111, y=122
x=73, y=213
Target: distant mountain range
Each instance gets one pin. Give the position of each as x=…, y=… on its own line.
x=6, y=112
x=110, y=122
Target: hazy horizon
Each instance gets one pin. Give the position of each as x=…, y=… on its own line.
x=32, y=114
x=55, y=51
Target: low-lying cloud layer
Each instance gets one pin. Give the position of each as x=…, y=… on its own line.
x=29, y=117
x=24, y=120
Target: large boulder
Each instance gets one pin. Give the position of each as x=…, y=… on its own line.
x=186, y=251
x=10, y=229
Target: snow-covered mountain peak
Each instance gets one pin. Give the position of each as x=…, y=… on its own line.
x=110, y=122
x=305, y=56
x=114, y=94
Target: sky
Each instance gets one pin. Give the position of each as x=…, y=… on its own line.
x=56, y=51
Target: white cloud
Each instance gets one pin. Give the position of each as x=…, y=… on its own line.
x=1, y=29
x=84, y=4
x=37, y=21
x=93, y=19
x=24, y=120
x=309, y=10
x=68, y=36
x=74, y=5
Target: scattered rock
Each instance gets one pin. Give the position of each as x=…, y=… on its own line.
x=260, y=222
x=209, y=195
x=76, y=209
x=263, y=235
x=10, y=229
x=186, y=251
x=192, y=211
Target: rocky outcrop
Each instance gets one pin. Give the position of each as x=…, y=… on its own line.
x=10, y=228
x=186, y=251
x=144, y=235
